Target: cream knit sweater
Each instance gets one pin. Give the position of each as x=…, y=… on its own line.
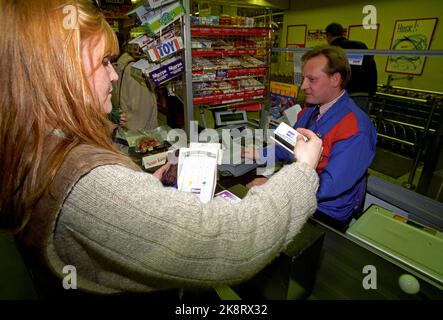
x=123, y=231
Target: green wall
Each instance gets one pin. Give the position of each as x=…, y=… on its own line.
x=318, y=14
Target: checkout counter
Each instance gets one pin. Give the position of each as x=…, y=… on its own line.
x=394, y=250
x=399, y=237
x=397, y=243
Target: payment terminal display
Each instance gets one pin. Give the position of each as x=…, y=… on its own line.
x=226, y=118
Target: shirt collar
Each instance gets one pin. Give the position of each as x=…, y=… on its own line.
x=326, y=106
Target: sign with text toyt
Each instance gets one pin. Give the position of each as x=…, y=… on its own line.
x=412, y=34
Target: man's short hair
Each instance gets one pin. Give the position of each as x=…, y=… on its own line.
x=337, y=61
x=335, y=29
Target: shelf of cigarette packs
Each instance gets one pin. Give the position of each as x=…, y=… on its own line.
x=229, y=64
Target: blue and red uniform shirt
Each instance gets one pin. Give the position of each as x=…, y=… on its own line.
x=349, y=141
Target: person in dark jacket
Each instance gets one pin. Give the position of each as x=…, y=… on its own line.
x=363, y=83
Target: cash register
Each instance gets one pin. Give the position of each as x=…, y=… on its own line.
x=231, y=120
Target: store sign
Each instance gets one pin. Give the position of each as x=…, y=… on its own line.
x=165, y=49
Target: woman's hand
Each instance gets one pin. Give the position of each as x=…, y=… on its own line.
x=308, y=151
x=256, y=182
x=160, y=171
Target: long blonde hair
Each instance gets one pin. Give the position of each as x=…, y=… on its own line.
x=43, y=86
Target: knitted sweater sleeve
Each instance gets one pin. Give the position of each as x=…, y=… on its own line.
x=123, y=230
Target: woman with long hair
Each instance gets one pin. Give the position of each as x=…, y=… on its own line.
x=73, y=199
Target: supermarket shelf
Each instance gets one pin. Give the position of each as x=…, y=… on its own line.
x=220, y=79
x=221, y=74
x=251, y=105
x=232, y=97
x=223, y=53
x=218, y=31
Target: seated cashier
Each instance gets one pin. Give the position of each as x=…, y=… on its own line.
x=347, y=133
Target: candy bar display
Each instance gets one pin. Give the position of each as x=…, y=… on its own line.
x=165, y=49
x=160, y=47
x=156, y=18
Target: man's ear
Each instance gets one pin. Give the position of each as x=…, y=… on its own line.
x=336, y=79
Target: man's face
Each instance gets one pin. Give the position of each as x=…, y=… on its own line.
x=319, y=87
